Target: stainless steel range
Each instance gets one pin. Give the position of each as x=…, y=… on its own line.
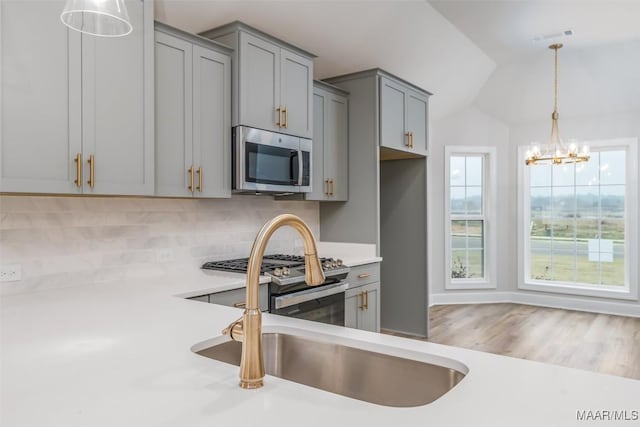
x=289, y=295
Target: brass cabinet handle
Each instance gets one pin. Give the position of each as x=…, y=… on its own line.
x=411, y=139
x=361, y=306
x=332, y=188
x=408, y=142
x=199, y=171
x=92, y=171
x=240, y=304
x=326, y=183
x=191, y=171
x=279, y=122
x=363, y=275
x=366, y=300
x=286, y=118
x=78, y=180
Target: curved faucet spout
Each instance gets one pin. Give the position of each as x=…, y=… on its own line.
x=249, y=328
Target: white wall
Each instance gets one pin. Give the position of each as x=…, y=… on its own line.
x=475, y=128
x=72, y=241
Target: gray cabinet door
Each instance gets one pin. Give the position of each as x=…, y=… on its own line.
x=393, y=105
x=336, y=160
x=40, y=110
x=211, y=122
x=417, y=123
x=296, y=93
x=318, y=181
x=369, y=315
x=173, y=129
x=259, y=83
x=351, y=303
x=117, y=103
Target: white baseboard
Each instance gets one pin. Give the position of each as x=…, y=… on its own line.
x=542, y=300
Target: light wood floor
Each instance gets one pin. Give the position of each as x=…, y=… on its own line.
x=595, y=342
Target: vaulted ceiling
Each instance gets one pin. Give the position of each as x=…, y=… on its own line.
x=406, y=37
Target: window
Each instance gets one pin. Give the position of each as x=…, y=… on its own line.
x=469, y=208
x=577, y=222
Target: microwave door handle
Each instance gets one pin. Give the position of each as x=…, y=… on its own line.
x=300, y=165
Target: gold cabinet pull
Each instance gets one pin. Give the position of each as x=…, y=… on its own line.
x=199, y=187
x=411, y=139
x=361, y=306
x=332, y=188
x=366, y=300
x=286, y=118
x=92, y=171
x=279, y=122
x=191, y=171
x=408, y=142
x=242, y=304
x=78, y=180
x=363, y=275
x=326, y=184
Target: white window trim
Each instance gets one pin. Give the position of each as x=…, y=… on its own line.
x=489, y=207
x=632, y=240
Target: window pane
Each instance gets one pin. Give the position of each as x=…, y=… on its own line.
x=458, y=234
x=587, y=266
x=562, y=175
x=540, y=258
x=586, y=228
x=459, y=269
x=612, y=229
x=540, y=175
x=458, y=200
x=562, y=262
x=612, y=201
x=563, y=203
x=456, y=170
x=587, y=202
x=612, y=272
x=612, y=167
x=474, y=170
x=588, y=173
x=476, y=263
x=474, y=200
x=540, y=202
x=475, y=234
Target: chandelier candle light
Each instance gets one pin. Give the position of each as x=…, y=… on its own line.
x=555, y=152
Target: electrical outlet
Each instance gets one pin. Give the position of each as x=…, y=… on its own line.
x=165, y=255
x=10, y=273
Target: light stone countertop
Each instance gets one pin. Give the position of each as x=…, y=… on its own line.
x=120, y=355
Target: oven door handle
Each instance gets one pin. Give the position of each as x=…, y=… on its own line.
x=308, y=295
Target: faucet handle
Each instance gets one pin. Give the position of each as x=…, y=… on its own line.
x=235, y=330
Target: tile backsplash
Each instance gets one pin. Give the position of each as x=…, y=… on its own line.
x=70, y=241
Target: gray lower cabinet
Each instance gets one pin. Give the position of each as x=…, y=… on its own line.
x=193, y=115
x=272, y=81
x=362, y=310
x=403, y=117
x=362, y=299
x=77, y=110
x=330, y=144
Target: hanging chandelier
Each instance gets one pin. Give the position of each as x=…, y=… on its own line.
x=104, y=18
x=555, y=152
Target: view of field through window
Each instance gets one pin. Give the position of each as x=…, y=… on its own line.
x=577, y=224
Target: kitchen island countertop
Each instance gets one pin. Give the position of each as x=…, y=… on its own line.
x=120, y=355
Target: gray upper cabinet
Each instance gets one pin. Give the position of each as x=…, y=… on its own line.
x=41, y=110
x=273, y=81
x=403, y=117
x=77, y=110
x=193, y=117
x=330, y=144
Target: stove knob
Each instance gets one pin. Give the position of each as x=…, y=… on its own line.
x=339, y=262
x=334, y=263
x=327, y=265
x=277, y=272
x=285, y=271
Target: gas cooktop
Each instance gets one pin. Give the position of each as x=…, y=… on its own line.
x=283, y=269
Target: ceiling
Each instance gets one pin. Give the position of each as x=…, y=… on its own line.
x=405, y=37
x=505, y=30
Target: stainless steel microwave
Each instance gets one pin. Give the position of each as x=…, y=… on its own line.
x=269, y=162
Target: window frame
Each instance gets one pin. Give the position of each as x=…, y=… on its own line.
x=488, y=216
x=630, y=289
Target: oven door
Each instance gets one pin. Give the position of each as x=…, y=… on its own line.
x=267, y=161
x=325, y=305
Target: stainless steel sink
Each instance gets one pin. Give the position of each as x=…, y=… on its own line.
x=360, y=374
